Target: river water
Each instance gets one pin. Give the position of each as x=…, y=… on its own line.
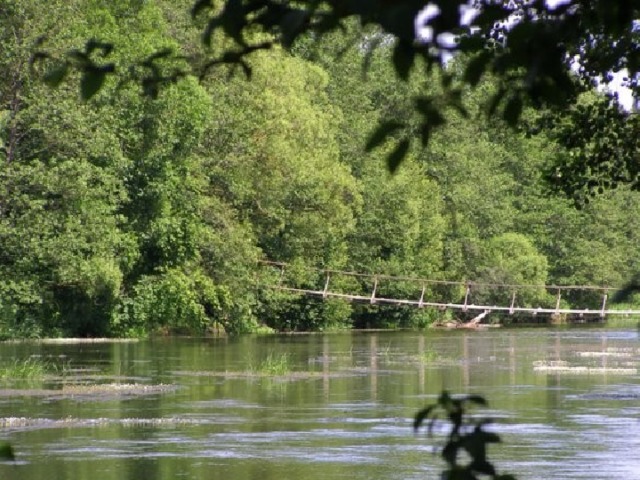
x=566, y=404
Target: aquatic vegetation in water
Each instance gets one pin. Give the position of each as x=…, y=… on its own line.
x=31, y=368
x=563, y=367
x=273, y=364
x=429, y=356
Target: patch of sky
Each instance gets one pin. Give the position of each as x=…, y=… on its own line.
x=444, y=44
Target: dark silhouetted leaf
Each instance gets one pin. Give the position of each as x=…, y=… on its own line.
x=199, y=6
x=93, y=45
x=91, y=83
x=396, y=157
x=55, y=76
x=164, y=53
x=429, y=109
x=291, y=26
x=369, y=50
x=450, y=452
x=6, y=452
x=512, y=110
x=80, y=57
x=476, y=68
x=495, y=101
x=403, y=58
x=482, y=466
x=477, y=399
x=212, y=25
x=420, y=417
x=625, y=293
x=382, y=133
x=425, y=134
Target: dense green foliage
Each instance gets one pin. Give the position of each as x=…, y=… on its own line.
x=540, y=53
x=129, y=214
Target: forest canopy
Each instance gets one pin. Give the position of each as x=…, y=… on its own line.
x=542, y=54
x=142, y=193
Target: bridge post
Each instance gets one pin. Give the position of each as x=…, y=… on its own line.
x=326, y=286
x=466, y=298
x=420, y=304
x=558, y=302
x=375, y=287
x=513, y=302
x=604, y=306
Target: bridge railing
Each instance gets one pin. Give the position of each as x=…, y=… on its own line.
x=422, y=292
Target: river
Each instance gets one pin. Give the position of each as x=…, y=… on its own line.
x=322, y=406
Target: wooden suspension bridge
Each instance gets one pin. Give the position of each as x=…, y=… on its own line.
x=377, y=289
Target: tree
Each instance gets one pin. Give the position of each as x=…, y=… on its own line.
x=529, y=47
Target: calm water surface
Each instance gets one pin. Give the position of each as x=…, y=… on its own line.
x=345, y=414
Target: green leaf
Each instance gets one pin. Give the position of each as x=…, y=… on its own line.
x=6, y=452
x=382, y=133
x=91, y=83
x=55, y=76
x=396, y=157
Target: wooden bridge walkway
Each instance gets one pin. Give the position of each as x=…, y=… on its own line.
x=376, y=289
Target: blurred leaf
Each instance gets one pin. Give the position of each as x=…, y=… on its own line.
x=291, y=25
x=396, y=157
x=450, y=452
x=369, y=51
x=212, y=25
x=495, y=101
x=55, y=76
x=428, y=108
x=513, y=110
x=403, y=58
x=91, y=82
x=164, y=53
x=420, y=417
x=97, y=45
x=425, y=133
x=476, y=68
x=199, y=6
x=625, y=293
x=80, y=57
x=382, y=133
x=6, y=452
x=482, y=466
x=477, y=399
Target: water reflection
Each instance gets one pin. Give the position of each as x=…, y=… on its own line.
x=344, y=410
